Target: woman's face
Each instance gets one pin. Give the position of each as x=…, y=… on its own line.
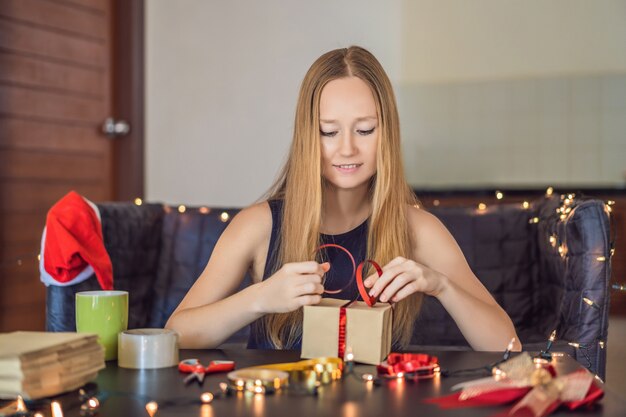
x=348, y=132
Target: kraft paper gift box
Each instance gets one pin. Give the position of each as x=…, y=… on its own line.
x=368, y=330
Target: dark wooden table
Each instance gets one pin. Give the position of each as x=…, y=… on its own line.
x=129, y=391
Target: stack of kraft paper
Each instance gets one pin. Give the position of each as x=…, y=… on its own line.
x=41, y=364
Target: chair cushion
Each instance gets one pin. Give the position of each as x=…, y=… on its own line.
x=187, y=241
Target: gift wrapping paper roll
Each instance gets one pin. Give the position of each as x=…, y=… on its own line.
x=147, y=348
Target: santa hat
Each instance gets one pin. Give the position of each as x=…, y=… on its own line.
x=72, y=244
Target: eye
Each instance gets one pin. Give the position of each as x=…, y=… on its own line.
x=366, y=132
x=328, y=134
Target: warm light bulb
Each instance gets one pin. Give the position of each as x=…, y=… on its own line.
x=204, y=210
x=138, y=201
x=93, y=403
x=499, y=195
x=368, y=377
x=400, y=375
x=56, y=409
x=552, y=336
x=39, y=257
x=182, y=209
x=574, y=344
x=601, y=343
x=152, y=408
x=553, y=241
x=509, y=347
x=601, y=258
x=588, y=301
x=482, y=206
x=349, y=356
x=549, y=191
x=534, y=220
x=436, y=203
x=224, y=217
x=206, y=397
x=525, y=204
x=19, y=404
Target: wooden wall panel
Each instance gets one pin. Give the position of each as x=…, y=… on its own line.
x=56, y=16
x=31, y=72
x=36, y=41
x=37, y=196
x=19, y=133
x=19, y=164
x=25, y=228
x=18, y=288
x=93, y=6
x=55, y=92
x=28, y=102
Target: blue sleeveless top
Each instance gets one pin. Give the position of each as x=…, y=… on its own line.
x=339, y=277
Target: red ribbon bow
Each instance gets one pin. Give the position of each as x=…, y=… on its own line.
x=416, y=365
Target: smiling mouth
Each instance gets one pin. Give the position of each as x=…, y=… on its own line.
x=348, y=166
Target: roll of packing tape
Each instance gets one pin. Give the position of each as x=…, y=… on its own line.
x=147, y=348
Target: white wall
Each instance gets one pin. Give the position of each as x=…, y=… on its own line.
x=222, y=81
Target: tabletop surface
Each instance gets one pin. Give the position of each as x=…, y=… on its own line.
x=126, y=391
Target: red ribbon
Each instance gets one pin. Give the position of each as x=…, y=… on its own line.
x=370, y=301
x=341, y=349
x=358, y=272
x=416, y=365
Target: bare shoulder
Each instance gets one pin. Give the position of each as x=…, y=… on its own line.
x=431, y=240
x=254, y=221
x=424, y=224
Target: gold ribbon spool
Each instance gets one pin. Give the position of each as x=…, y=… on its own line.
x=259, y=381
x=325, y=370
x=309, y=373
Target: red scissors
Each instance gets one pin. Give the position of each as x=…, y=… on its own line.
x=197, y=370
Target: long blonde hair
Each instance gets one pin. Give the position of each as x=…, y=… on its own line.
x=300, y=186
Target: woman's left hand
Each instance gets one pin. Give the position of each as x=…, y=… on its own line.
x=402, y=277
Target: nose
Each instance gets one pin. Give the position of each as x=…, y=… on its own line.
x=347, y=146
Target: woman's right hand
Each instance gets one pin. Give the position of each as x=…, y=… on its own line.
x=294, y=285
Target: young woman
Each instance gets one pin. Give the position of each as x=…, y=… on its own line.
x=343, y=183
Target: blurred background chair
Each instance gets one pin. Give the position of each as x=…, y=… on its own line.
x=547, y=264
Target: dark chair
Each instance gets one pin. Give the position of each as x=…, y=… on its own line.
x=158, y=252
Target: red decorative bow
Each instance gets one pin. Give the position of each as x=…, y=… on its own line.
x=539, y=390
x=416, y=365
